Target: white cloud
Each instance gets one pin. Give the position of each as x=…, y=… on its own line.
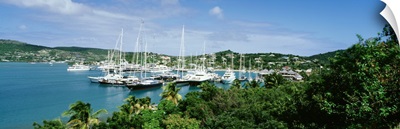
x=22, y=27
x=217, y=11
x=66, y=23
x=55, y=6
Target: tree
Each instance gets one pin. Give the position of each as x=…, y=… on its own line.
x=273, y=80
x=208, y=90
x=170, y=92
x=168, y=107
x=81, y=115
x=252, y=84
x=135, y=105
x=175, y=121
x=236, y=84
x=53, y=124
x=130, y=114
x=361, y=88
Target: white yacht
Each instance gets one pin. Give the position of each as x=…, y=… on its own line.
x=199, y=77
x=228, y=77
x=78, y=67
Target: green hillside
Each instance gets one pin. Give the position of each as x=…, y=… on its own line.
x=16, y=51
x=323, y=58
x=12, y=45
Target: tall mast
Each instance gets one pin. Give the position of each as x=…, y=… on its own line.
x=183, y=47
x=137, y=43
x=120, y=51
x=145, y=58
x=204, y=56
x=232, y=61
x=181, y=59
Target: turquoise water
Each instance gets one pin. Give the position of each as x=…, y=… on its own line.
x=36, y=92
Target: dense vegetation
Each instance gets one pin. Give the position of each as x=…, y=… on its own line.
x=359, y=89
x=12, y=45
x=324, y=57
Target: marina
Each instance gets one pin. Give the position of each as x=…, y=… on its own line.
x=36, y=92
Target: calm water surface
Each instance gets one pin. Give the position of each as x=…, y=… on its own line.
x=36, y=92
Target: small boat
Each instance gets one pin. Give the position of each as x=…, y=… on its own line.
x=144, y=84
x=242, y=78
x=78, y=67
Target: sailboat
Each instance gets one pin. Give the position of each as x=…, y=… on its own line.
x=249, y=75
x=113, y=69
x=242, y=70
x=229, y=75
x=200, y=75
x=183, y=80
x=144, y=82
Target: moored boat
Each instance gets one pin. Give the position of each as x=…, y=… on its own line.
x=144, y=84
x=228, y=77
x=198, y=78
x=78, y=67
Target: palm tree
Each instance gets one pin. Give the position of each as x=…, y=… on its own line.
x=82, y=116
x=170, y=92
x=273, y=80
x=136, y=105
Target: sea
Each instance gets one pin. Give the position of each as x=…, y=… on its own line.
x=33, y=92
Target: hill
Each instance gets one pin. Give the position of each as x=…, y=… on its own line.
x=12, y=45
x=323, y=58
x=16, y=51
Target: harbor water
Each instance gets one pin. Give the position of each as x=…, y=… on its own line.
x=40, y=91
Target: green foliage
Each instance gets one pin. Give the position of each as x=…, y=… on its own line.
x=149, y=119
x=175, y=121
x=236, y=84
x=362, y=85
x=168, y=107
x=273, y=80
x=209, y=90
x=252, y=84
x=81, y=115
x=170, y=92
x=52, y=124
x=323, y=58
x=12, y=45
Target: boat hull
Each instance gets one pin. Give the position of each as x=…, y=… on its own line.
x=181, y=82
x=228, y=80
x=95, y=79
x=143, y=86
x=196, y=83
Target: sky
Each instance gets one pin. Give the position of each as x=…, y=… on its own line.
x=304, y=28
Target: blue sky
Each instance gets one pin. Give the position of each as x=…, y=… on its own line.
x=305, y=27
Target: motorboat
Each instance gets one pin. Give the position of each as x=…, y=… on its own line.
x=78, y=67
x=228, y=77
x=144, y=84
